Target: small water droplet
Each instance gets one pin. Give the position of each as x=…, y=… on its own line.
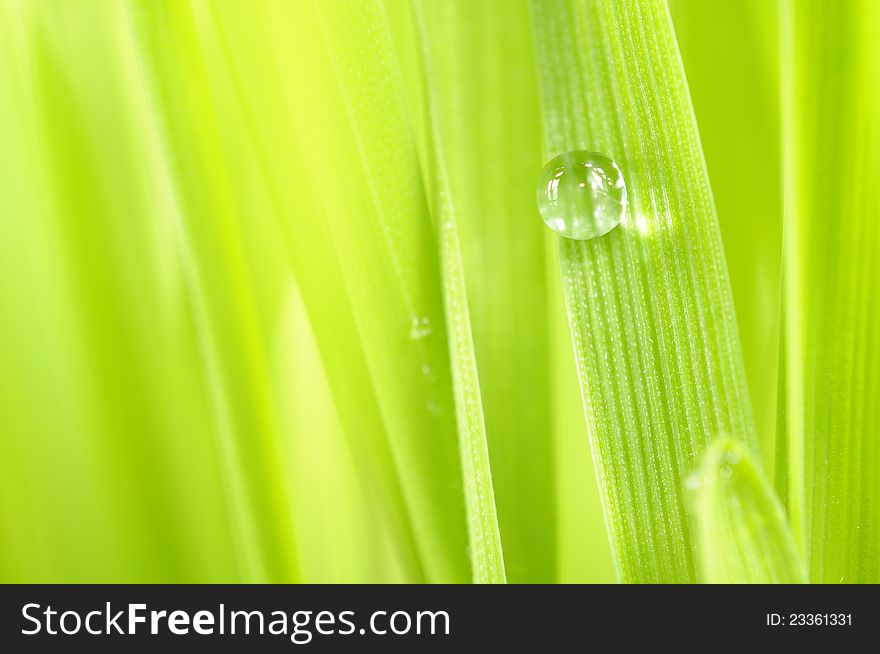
x=421, y=327
x=426, y=370
x=693, y=481
x=433, y=408
x=581, y=195
x=726, y=471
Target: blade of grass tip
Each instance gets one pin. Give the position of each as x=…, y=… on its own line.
x=483, y=105
x=483, y=534
x=831, y=92
x=743, y=535
x=649, y=303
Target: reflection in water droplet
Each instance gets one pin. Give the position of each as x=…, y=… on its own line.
x=581, y=195
x=421, y=327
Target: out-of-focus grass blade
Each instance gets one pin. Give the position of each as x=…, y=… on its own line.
x=102, y=406
x=831, y=92
x=730, y=52
x=235, y=339
x=263, y=114
x=326, y=116
x=483, y=105
x=330, y=461
x=342, y=540
x=649, y=303
x=383, y=234
x=743, y=536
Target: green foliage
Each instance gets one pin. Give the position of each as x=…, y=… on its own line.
x=831, y=91
x=276, y=303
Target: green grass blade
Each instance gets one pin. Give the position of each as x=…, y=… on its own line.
x=730, y=52
x=456, y=207
x=484, y=539
x=341, y=84
x=743, y=536
x=486, y=134
x=342, y=536
x=585, y=554
x=831, y=91
x=649, y=304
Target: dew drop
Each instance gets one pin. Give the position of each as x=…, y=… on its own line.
x=732, y=457
x=693, y=481
x=420, y=328
x=581, y=195
x=726, y=471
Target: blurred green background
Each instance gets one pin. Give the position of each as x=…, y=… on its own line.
x=215, y=363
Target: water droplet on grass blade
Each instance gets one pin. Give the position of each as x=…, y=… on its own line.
x=693, y=481
x=421, y=327
x=581, y=195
